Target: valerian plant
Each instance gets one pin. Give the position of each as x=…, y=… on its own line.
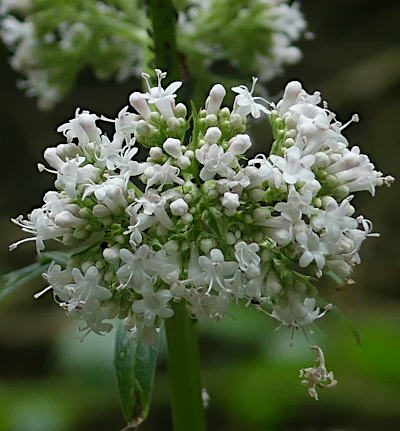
x=197, y=222
x=179, y=236
x=50, y=40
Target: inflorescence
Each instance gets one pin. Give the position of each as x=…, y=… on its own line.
x=197, y=221
x=50, y=40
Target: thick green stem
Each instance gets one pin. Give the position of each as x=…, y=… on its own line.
x=163, y=17
x=183, y=349
x=184, y=371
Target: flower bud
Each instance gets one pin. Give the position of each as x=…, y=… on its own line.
x=111, y=255
x=213, y=135
x=100, y=211
x=179, y=207
x=139, y=102
x=143, y=128
x=290, y=96
x=230, y=200
x=239, y=144
x=211, y=120
x=173, y=147
x=173, y=123
x=156, y=153
x=187, y=218
x=206, y=244
x=180, y=110
x=52, y=158
x=66, y=219
x=215, y=98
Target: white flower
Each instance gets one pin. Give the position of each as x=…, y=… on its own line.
x=215, y=162
x=265, y=172
x=173, y=147
x=154, y=304
x=127, y=167
x=246, y=104
x=211, y=271
x=294, y=167
x=86, y=288
x=355, y=171
x=246, y=255
x=110, y=193
x=154, y=204
x=296, y=205
x=290, y=96
x=110, y=151
x=313, y=248
x=82, y=127
x=134, y=273
x=73, y=174
x=163, y=99
x=167, y=265
x=162, y=174
x=280, y=228
x=335, y=218
x=39, y=225
x=296, y=312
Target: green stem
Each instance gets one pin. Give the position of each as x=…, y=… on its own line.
x=163, y=17
x=183, y=349
x=184, y=371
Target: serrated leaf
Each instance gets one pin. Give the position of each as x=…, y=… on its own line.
x=135, y=365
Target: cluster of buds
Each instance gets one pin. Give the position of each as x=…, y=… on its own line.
x=50, y=39
x=197, y=221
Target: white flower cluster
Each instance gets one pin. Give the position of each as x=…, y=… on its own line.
x=196, y=221
x=50, y=39
x=253, y=35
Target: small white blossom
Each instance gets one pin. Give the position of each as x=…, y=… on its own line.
x=246, y=104
x=294, y=168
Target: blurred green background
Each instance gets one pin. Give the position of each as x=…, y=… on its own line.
x=49, y=381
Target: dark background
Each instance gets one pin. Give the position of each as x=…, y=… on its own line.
x=49, y=381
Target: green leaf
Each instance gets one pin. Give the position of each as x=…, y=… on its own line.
x=135, y=364
x=349, y=324
x=338, y=313
x=13, y=280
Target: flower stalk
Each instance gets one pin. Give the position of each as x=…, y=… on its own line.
x=163, y=17
x=183, y=349
x=184, y=371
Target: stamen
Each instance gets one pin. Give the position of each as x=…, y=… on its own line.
x=42, y=292
x=13, y=246
x=41, y=168
x=146, y=77
x=354, y=119
x=253, y=85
